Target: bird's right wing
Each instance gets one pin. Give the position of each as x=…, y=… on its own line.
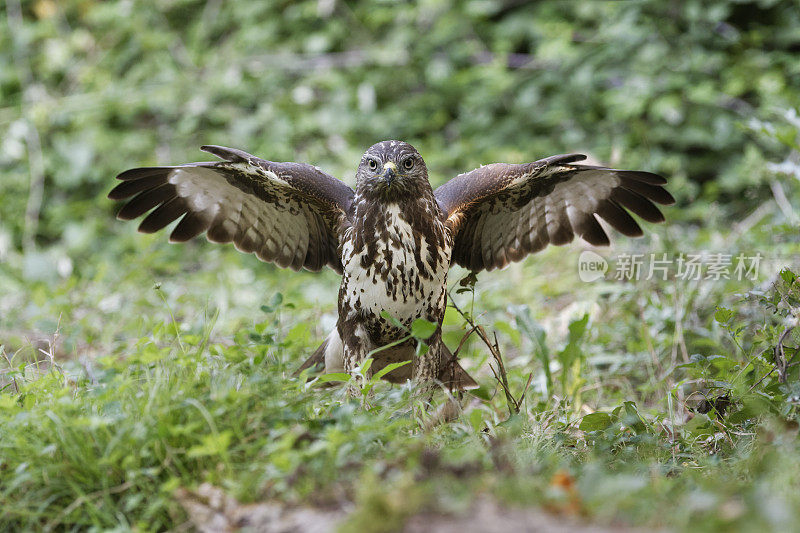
x=292, y=214
x=500, y=213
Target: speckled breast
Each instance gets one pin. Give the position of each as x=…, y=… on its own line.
x=392, y=264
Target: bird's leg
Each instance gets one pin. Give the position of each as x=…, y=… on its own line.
x=426, y=365
x=356, y=345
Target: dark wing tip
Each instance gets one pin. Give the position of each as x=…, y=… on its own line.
x=138, y=181
x=164, y=215
x=143, y=172
x=644, y=183
x=117, y=193
x=638, y=204
x=665, y=197
x=588, y=229
x=647, y=177
x=619, y=219
x=190, y=226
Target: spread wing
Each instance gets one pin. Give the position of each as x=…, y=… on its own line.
x=289, y=213
x=500, y=213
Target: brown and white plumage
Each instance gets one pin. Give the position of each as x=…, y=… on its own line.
x=394, y=238
x=500, y=213
x=289, y=213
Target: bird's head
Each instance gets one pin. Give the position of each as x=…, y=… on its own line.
x=392, y=171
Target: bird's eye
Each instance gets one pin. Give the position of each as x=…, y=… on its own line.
x=408, y=163
x=373, y=165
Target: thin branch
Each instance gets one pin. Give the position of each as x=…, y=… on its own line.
x=10, y=368
x=780, y=355
x=463, y=341
x=494, y=348
x=783, y=202
x=789, y=364
x=171, y=316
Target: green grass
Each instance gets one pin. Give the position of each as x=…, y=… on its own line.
x=174, y=388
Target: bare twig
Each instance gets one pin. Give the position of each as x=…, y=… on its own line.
x=780, y=355
x=789, y=363
x=783, y=202
x=525, y=390
x=463, y=341
x=10, y=367
x=157, y=288
x=495, y=349
x=500, y=374
x=744, y=226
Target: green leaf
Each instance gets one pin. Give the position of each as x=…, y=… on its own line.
x=212, y=444
x=475, y=418
x=396, y=323
x=723, y=315
x=333, y=376
x=595, y=422
x=481, y=392
x=274, y=304
x=467, y=283
x=387, y=346
x=7, y=403
x=537, y=335
x=700, y=425
x=508, y=329
x=572, y=351
x=366, y=364
x=422, y=329
x=388, y=368
x=422, y=349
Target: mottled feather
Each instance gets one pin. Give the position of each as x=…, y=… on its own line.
x=500, y=213
x=287, y=213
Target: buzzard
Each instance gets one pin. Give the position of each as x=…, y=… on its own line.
x=393, y=238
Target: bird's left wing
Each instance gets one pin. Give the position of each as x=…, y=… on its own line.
x=292, y=214
x=500, y=213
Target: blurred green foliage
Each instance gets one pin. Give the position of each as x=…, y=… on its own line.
x=655, y=85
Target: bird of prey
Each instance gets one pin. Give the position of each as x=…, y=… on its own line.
x=393, y=239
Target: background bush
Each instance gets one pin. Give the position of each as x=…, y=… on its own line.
x=110, y=85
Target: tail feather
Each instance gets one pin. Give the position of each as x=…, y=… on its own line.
x=316, y=362
x=452, y=374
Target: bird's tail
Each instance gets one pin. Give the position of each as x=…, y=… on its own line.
x=452, y=374
x=316, y=362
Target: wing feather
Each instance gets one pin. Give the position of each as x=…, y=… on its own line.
x=537, y=235
x=500, y=213
x=619, y=219
x=164, y=215
x=288, y=213
x=638, y=204
x=145, y=201
x=190, y=226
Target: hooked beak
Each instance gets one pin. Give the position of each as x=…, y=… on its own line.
x=389, y=172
